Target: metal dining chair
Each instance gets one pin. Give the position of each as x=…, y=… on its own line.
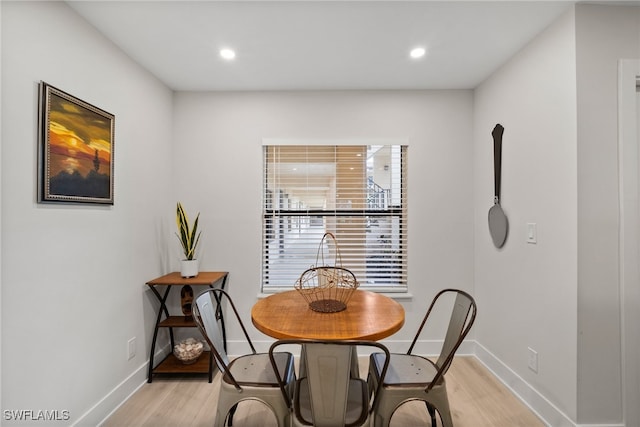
x=411, y=377
x=328, y=394
x=254, y=376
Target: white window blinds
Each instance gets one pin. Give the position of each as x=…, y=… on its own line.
x=356, y=192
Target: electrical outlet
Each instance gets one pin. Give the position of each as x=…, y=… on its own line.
x=533, y=360
x=131, y=348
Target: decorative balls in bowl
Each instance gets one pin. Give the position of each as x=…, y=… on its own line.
x=188, y=351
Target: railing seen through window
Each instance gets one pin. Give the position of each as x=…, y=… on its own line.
x=356, y=192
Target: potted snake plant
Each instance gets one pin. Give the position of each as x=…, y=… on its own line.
x=189, y=237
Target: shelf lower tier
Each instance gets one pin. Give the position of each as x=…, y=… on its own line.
x=171, y=365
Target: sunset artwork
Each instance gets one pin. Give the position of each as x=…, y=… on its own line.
x=77, y=150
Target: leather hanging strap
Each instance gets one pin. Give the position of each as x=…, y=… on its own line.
x=497, y=132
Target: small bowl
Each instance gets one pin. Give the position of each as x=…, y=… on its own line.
x=188, y=351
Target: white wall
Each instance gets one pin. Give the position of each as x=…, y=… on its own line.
x=629, y=162
x=558, y=102
x=0, y=203
x=80, y=293
x=527, y=292
x=218, y=161
x=604, y=35
x=73, y=277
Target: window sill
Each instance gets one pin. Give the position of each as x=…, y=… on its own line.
x=398, y=296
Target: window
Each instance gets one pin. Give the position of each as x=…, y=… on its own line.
x=356, y=192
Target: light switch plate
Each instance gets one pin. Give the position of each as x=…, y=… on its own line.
x=532, y=233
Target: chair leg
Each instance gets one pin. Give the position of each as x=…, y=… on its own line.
x=220, y=419
x=432, y=412
x=380, y=421
x=445, y=416
x=232, y=411
x=370, y=385
x=387, y=405
x=441, y=405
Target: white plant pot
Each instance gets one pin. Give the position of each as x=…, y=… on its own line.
x=189, y=267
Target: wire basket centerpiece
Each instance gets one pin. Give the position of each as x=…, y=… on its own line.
x=327, y=288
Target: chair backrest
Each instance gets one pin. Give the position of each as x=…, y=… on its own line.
x=205, y=314
x=463, y=315
x=332, y=360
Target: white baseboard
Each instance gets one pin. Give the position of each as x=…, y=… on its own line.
x=102, y=410
x=550, y=414
x=241, y=347
x=425, y=348
x=600, y=425
x=544, y=409
x=541, y=406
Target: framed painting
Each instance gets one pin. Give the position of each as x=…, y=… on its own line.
x=76, y=147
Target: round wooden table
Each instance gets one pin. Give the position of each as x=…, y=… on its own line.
x=368, y=316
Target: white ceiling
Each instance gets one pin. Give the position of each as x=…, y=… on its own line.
x=320, y=45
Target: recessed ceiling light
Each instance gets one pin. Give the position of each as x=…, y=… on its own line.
x=417, y=52
x=227, y=54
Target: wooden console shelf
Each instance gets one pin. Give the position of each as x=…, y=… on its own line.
x=178, y=322
x=170, y=364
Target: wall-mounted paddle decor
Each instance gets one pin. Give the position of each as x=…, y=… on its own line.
x=498, y=224
x=75, y=149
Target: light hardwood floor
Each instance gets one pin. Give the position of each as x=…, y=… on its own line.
x=477, y=399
